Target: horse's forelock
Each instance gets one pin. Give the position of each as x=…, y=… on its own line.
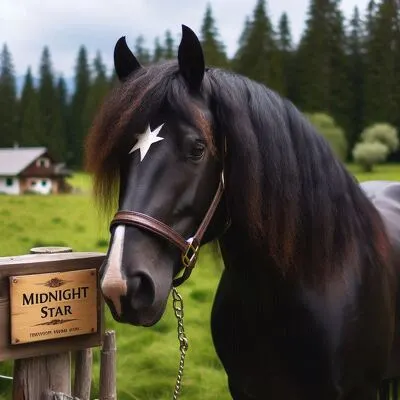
x=132, y=104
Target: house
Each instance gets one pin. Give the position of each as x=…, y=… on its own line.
x=31, y=170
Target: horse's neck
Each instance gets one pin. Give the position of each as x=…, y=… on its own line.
x=243, y=259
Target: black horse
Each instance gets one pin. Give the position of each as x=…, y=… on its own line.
x=306, y=305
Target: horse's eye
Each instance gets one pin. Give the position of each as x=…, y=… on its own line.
x=197, y=150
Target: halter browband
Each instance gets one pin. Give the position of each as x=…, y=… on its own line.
x=189, y=247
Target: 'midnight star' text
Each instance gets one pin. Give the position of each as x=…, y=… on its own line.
x=55, y=295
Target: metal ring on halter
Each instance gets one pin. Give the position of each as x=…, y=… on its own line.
x=189, y=258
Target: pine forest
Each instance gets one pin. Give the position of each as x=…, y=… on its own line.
x=347, y=69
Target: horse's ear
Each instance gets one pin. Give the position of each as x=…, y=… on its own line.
x=191, y=59
x=124, y=61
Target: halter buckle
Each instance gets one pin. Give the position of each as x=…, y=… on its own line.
x=189, y=257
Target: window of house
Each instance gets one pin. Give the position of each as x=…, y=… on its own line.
x=44, y=182
x=42, y=162
x=9, y=181
x=33, y=183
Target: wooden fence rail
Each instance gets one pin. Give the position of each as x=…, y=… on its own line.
x=83, y=373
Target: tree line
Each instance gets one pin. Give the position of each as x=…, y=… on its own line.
x=348, y=69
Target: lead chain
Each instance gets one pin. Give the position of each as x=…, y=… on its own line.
x=183, y=342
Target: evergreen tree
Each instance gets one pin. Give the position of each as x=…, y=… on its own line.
x=29, y=114
x=8, y=100
x=356, y=71
x=56, y=141
x=285, y=37
x=98, y=90
x=243, y=40
x=77, y=131
x=370, y=19
x=244, y=37
x=61, y=120
x=321, y=62
x=338, y=61
x=169, y=46
x=62, y=96
x=372, y=54
x=158, y=54
x=141, y=53
x=258, y=57
x=396, y=47
x=47, y=101
x=312, y=60
x=381, y=74
x=285, y=47
x=214, y=50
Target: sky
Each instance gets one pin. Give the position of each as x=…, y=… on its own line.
x=63, y=25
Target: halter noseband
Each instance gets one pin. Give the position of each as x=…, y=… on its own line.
x=189, y=247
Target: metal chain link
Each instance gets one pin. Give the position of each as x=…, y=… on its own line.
x=183, y=342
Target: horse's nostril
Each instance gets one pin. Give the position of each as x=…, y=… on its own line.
x=140, y=291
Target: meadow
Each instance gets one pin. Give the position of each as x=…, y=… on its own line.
x=147, y=357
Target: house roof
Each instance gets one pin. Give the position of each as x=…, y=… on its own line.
x=15, y=160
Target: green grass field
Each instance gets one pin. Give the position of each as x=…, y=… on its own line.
x=147, y=357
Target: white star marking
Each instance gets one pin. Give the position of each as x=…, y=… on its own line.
x=145, y=140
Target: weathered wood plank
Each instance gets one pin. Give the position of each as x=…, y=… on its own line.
x=108, y=377
x=25, y=259
x=33, y=377
x=83, y=374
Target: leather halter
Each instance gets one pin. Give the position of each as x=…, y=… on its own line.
x=189, y=247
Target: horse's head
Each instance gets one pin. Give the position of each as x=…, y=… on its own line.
x=170, y=180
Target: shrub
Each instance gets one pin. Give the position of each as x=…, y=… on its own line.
x=367, y=154
x=101, y=243
x=382, y=133
x=326, y=126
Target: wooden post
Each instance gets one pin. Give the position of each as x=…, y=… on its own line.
x=108, y=380
x=83, y=374
x=35, y=377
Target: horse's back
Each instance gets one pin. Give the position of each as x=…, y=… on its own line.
x=385, y=195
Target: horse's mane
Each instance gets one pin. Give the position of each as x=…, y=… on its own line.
x=284, y=184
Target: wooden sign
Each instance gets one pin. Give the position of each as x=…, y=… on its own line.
x=53, y=305
x=54, y=288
